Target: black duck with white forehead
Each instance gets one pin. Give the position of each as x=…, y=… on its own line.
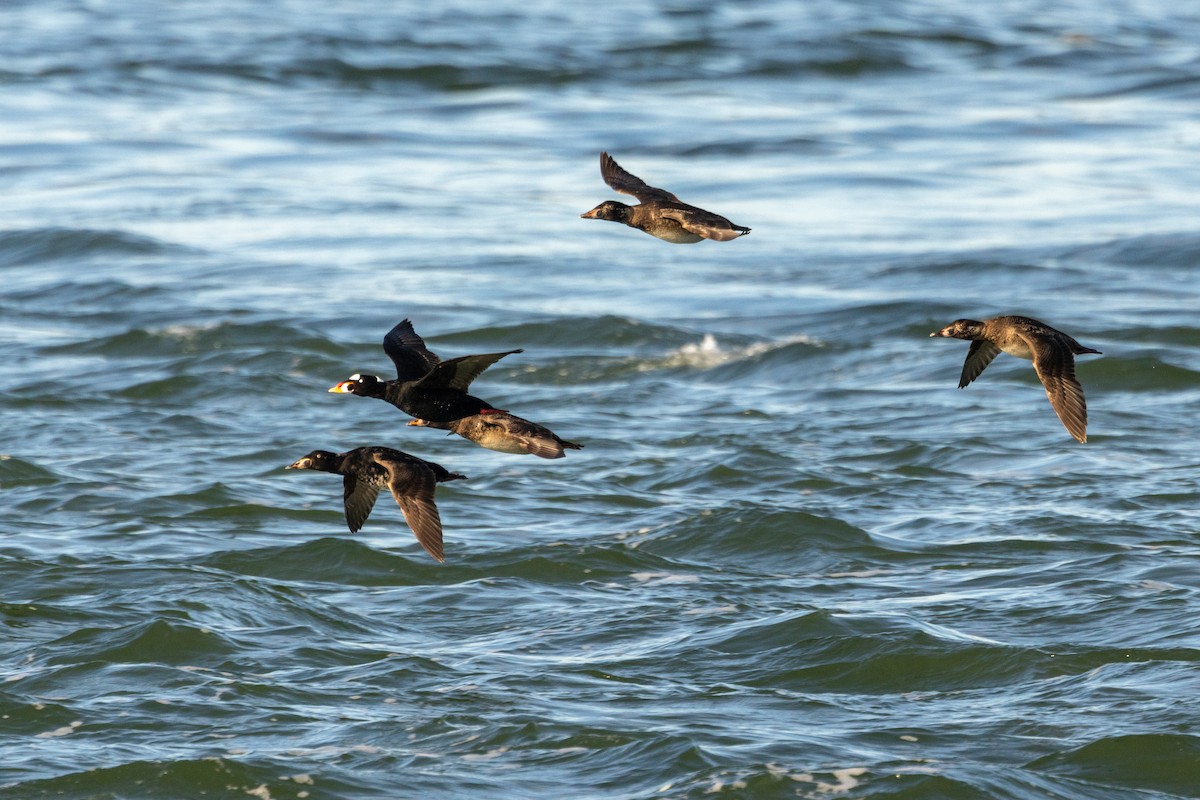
x=425, y=386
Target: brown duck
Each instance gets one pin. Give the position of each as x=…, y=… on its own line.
x=411, y=480
x=1052, y=352
x=659, y=213
x=506, y=433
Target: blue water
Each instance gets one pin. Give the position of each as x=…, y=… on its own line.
x=793, y=560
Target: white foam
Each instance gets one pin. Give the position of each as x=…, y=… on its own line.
x=488, y=756
x=65, y=730
x=664, y=577
x=843, y=780
x=710, y=610
x=708, y=353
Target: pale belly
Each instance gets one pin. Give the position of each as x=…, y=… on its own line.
x=676, y=235
x=1018, y=348
x=502, y=444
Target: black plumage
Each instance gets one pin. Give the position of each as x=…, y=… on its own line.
x=425, y=386
x=411, y=480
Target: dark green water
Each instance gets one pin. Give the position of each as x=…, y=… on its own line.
x=792, y=560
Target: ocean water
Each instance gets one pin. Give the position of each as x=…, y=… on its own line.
x=792, y=560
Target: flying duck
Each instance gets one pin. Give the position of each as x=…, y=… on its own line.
x=1052, y=352
x=659, y=213
x=411, y=480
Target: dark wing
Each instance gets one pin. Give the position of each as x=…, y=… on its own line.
x=1056, y=367
x=412, y=484
x=978, y=357
x=626, y=183
x=704, y=223
x=408, y=352
x=533, y=438
x=359, y=497
x=457, y=373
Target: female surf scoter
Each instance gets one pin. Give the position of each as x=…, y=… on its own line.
x=1052, y=352
x=505, y=433
x=659, y=213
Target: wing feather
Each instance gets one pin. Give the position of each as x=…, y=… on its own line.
x=408, y=352
x=412, y=482
x=1056, y=368
x=625, y=182
x=978, y=357
x=457, y=373
x=359, y=498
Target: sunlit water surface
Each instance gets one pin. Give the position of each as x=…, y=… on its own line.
x=793, y=560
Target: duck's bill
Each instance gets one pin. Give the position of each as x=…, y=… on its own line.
x=342, y=388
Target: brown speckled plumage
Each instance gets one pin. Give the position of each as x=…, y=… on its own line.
x=506, y=433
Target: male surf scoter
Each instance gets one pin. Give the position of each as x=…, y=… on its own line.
x=425, y=386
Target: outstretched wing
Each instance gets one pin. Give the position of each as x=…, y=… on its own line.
x=359, y=498
x=408, y=352
x=457, y=373
x=978, y=357
x=412, y=484
x=627, y=183
x=1056, y=367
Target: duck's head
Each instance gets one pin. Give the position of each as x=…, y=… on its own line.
x=609, y=210
x=961, y=329
x=317, y=459
x=361, y=385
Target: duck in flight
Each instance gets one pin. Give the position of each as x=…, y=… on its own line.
x=659, y=213
x=425, y=386
x=411, y=480
x=1052, y=352
x=506, y=433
